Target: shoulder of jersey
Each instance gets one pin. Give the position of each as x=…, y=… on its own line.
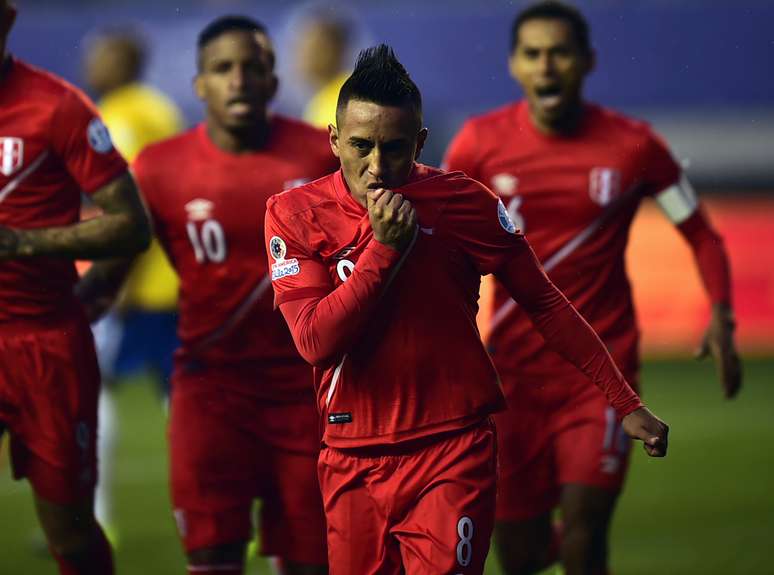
x=302, y=132
x=174, y=146
x=447, y=184
x=612, y=119
x=311, y=195
x=39, y=81
x=493, y=119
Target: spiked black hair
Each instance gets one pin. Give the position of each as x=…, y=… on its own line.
x=380, y=78
x=554, y=10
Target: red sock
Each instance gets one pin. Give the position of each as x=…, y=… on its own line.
x=98, y=560
x=223, y=569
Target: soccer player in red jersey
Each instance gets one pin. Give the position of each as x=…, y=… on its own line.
x=243, y=421
x=572, y=175
x=53, y=146
x=376, y=269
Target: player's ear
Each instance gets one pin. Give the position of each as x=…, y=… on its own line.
x=421, y=138
x=333, y=138
x=198, y=86
x=512, y=66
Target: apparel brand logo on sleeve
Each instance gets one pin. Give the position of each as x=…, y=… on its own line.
x=339, y=418
x=505, y=184
x=282, y=268
x=99, y=136
x=11, y=155
x=504, y=218
x=604, y=185
x=199, y=209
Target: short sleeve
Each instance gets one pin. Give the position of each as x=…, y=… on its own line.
x=461, y=155
x=660, y=169
x=476, y=221
x=295, y=272
x=81, y=140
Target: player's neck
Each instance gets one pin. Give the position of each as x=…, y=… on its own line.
x=238, y=142
x=566, y=125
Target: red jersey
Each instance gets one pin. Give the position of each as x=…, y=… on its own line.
x=575, y=198
x=405, y=359
x=207, y=208
x=53, y=146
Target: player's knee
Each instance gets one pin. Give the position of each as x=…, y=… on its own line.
x=224, y=554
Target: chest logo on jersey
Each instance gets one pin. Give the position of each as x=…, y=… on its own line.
x=11, y=155
x=505, y=184
x=282, y=268
x=199, y=210
x=604, y=185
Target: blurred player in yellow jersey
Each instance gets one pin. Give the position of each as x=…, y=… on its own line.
x=321, y=53
x=141, y=335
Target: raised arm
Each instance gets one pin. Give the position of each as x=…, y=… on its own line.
x=325, y=323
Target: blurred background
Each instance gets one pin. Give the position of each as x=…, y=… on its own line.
x=699, y=70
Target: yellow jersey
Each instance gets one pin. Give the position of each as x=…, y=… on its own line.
x=136, y=116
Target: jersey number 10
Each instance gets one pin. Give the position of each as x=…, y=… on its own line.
x=209, y=241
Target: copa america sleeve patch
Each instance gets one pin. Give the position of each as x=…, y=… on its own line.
x=282, y=268
x=99, y=137
x=505, y=218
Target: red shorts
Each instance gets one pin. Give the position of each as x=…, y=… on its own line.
x=544, y=445
x=423, y=508
x=228, y=448
x=49, y=385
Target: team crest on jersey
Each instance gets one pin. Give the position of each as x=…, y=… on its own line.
x=604, y=185
x=11, y=155
x=505, y=219
x=199, y=209
x=505, y=184
x=99, y=136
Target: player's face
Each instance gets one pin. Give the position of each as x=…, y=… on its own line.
x=7, y=17
x=377, y=145
x=236, y=79
x=550, y=66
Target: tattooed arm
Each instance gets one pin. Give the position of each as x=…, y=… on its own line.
x=122, y=230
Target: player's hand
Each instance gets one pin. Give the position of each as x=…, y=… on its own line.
x=718, y=342
x=643, y=425
x=393, y=218
x=9, y=243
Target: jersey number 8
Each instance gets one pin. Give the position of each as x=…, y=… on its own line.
x=209, y=241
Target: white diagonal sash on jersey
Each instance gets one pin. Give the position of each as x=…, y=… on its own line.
x=568, y=248
x=239, y=314
x=396, y=269
x=13, y=184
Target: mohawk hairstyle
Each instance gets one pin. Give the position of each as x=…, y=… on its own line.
x=554, y=10
x=380, y=78
x=225, y=24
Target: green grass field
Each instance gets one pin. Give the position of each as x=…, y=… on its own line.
x=706, y=509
